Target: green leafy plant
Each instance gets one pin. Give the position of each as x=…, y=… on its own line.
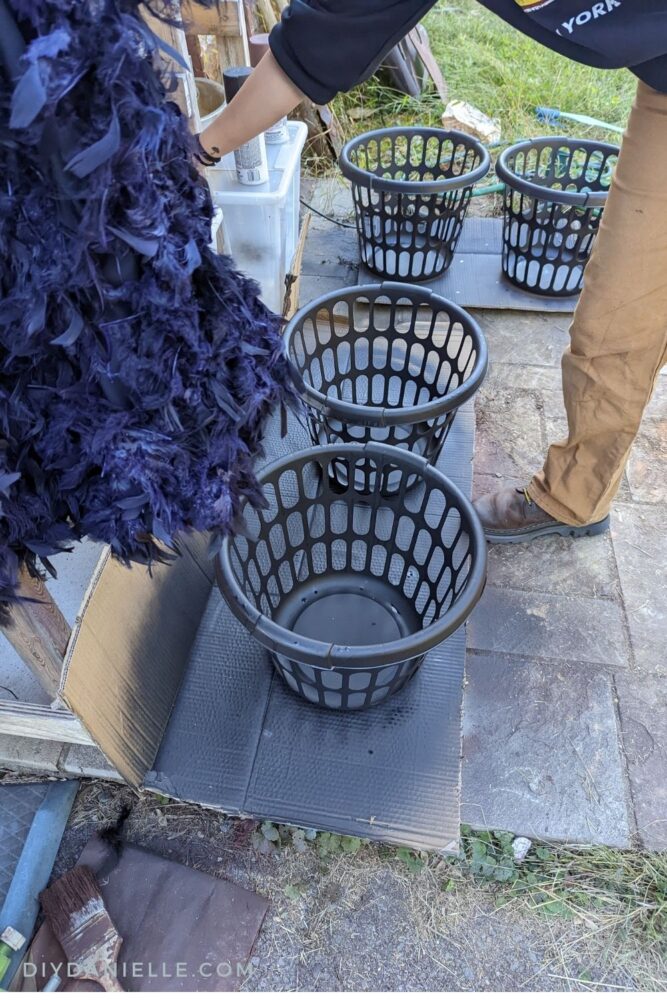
x=628, y=888
x=269, y=837
x=410, y=858
x=333, y=843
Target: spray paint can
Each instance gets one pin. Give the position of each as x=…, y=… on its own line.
x=259, y=46
x=250, y=158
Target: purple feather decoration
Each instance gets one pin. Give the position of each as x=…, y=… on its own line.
x=137, y=367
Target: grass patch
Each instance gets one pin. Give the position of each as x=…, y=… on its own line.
x=624, y=891
x=504, y=73
x=619, y=892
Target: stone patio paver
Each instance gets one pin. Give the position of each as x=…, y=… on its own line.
x=339, y=262
x=647, y=467
x=585, y=569
x=564, y=624
x=538, y=378
x=549, y=626
x=565, y=707
x=640, y=543
x=657, y=407
x=489, y=482
x=643, y=710
x=540, y=751
x=555, y=418
x=509, y=437
x=524, y=338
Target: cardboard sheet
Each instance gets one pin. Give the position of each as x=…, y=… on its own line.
x=240, y=741
x=125, y=658
x=475, y=279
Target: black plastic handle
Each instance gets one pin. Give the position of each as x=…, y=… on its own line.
x=371, y=180
x=578, y=199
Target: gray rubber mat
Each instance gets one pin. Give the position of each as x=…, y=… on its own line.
x=240, y=741
x=18, y=806
x=475, y=277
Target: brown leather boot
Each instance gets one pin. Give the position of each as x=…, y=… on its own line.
x=512, y=516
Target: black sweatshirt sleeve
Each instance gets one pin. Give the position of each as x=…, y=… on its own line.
x=325, y=46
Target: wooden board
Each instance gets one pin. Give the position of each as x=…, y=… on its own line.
x=42, y=723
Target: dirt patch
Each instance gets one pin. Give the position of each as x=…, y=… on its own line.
x=372, y=920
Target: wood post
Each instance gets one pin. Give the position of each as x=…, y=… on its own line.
x=185, y=94
x=293, y=277
x=267, y=13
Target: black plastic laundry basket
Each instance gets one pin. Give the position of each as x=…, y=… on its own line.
x=350, y=590
x=555, y=191
x=389, y=363
x=411, y=189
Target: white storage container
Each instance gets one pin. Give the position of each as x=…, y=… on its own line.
x=261, y=223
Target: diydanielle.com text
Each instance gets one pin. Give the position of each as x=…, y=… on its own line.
x=140, y=970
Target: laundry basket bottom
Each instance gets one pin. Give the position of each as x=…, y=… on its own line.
x=342, y=610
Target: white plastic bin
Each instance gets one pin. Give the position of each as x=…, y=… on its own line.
x=261, y=223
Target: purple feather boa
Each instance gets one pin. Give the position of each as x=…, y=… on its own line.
x=137, y=366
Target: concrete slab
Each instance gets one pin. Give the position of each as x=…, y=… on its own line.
x=640, y=544
x=548, y=626
x=541, y=755
x=86, y=762
x=643, y=712
x=17, y=753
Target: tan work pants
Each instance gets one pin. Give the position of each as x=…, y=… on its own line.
x=619, y=331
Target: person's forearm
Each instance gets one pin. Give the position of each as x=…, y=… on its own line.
x=266, y=96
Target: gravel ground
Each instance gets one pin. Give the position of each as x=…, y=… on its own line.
x=367, y=921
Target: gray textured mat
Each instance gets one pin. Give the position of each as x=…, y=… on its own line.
x=239, y=740
x=475, y=278
x=18, y=806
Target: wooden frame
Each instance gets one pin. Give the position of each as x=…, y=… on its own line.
x=39, y=633
x=40, y=722
x=226, y=22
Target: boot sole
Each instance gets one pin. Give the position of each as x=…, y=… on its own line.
x=565, y=530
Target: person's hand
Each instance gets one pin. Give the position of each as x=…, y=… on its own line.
x=265, y=97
